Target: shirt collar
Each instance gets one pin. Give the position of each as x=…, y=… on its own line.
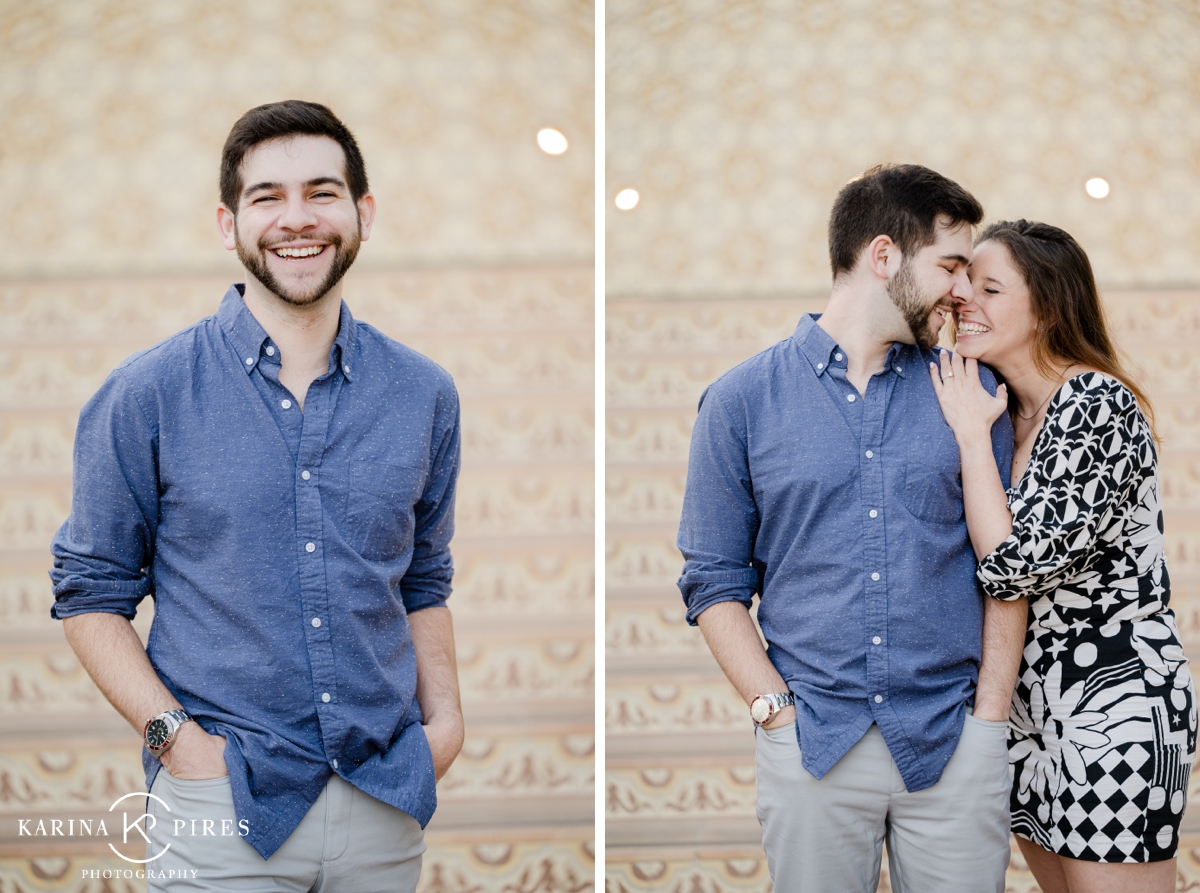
x=342, y=352
x=241, y=328
x=250, y=339
x=822, y=351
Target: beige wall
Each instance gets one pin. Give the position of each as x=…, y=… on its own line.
x=112, y=117
x=739, y=121
x=114, y=113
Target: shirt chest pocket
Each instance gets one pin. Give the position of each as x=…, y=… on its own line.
x=932, y=489
x=380, y=513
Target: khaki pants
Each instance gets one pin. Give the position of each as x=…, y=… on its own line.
x=348, y=841
x=827, y=836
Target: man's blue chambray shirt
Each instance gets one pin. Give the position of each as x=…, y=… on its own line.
x=284, y=551
x=845, y=513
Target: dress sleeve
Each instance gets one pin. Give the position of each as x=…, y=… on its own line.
x=103, y=551
x=1076, y=491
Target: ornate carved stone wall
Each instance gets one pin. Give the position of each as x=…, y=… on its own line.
x=680, y=774
x=112, y=116
x=737, y=122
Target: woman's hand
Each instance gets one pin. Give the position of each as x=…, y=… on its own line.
x=969, y=409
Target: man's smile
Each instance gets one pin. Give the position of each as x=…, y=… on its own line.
x=308, y=251
x=296, y=250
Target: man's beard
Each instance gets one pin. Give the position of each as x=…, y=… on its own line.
x=343, y=258
x=913, y=306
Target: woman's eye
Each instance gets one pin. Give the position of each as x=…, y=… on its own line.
x=991, y=291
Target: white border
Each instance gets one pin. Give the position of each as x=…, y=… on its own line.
x=599, y=343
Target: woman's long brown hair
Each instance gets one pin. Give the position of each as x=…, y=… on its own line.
x=1071, y=325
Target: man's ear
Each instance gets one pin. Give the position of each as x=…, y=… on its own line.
x=883, y=257
x=366, y=215
x=227, y=224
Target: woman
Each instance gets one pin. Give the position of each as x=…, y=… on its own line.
x=1103, y=727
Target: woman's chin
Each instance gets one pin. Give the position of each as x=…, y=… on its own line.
x=964, y=348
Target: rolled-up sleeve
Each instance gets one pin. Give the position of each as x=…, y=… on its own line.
x=720, y=518
x=1078, y=479
x=103, y=550
x=426, y=583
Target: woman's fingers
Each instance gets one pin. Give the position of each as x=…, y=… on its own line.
x=971, y=370
x=936, y=377
x=946, y=362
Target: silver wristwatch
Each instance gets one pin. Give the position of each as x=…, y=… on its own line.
x=159, y=733
x=764, y=708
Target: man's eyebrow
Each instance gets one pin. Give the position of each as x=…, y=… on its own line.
x=318, y=181
x=258, y=186
x=957, y=258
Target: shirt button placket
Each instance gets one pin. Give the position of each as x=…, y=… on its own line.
x=314, y=427
x=875, y=551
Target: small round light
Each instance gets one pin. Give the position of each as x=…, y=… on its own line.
x=1097, y=187
x=551, y=141
x=627, y=199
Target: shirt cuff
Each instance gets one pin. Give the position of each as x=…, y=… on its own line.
x=702, y=590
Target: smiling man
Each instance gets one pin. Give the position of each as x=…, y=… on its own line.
x=823, y=478
x=280, y=479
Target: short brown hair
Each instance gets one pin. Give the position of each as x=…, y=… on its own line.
x=901, y=201
x=281, y=119
x=1071, y=326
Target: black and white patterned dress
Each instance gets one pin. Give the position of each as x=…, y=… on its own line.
x=1103, y=726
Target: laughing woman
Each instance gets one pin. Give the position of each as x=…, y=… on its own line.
x=1103, y=726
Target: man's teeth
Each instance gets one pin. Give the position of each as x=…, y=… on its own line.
x=300, y=252
x=972, y=328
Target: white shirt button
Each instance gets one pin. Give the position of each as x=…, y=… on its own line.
x=334, y=764
x=877, y=640
x=305, y=475
x=873, y=576
x=316, y=621
x=838, y=357
x=249, y=361
x=286, y=404
x=878, y=699
x=312, y=547
x=325, y=697
x=874, y=514
x=850, y=397
x=346, y=369
x=270, y=351
x=870, y=455
x=820, y=365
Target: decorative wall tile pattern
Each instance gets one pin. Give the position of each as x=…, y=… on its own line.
x=524, y=590
x=115, y=113
x=738, y=122
x=679, y=781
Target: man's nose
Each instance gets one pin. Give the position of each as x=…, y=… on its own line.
x=297, y=215
x=962, y=292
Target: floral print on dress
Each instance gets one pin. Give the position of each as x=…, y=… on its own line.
x=1102, y=733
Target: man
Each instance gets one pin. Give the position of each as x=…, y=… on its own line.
x=823, y=477
x=280, y=479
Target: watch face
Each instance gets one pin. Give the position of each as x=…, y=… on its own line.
x=760, y=710
x=156, y=733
